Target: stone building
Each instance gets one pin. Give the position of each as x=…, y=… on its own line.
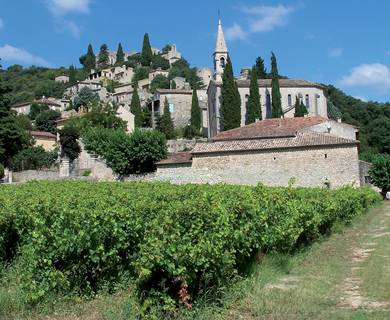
x=172, y=55
x=273, y=152
x=63, y=79
x=311, y=94
x=123, y=74
x=46, y=140
x=53, y=104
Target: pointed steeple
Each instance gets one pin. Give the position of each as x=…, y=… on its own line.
x=220, y=46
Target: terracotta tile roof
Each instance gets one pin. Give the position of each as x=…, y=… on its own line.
x=176, y=91
x=301, y=139
x=177, y=158
x=270, y=128
x=43, y=134
x=283, y=83
x=48, y=102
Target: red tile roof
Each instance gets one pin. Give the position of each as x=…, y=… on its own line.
x=269, y=128
x=177, y=158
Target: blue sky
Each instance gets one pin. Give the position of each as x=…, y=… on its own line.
x=346, y=43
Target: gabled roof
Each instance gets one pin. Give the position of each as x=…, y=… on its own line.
x=176, y=158
x=266, y=83
x=270, y=128
x=42, y=134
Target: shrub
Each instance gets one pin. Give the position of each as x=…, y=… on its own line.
x=380, y=172
x=1, y=171
x=68, y=140
x=46, y=121
x=34, y=158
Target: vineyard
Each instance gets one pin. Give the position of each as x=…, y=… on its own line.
x=172, y=242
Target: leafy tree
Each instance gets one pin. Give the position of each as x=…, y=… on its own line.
x=104, y=57
x=261, y=71
x=72, y=75
x=135, y=109
x=88, y=60
x=85, y=98
x=68, y=140
x=300, y=108
x=120, y=55
x=36, y=109
x=24, y=122
x=378, y=134
x=166, y=48
x=196, y=115
x=49, y=88
x=333, y=112
x=159, y=62
x=1, y=171
x=34, y=158
x=181, y=68
x=253, y=105
x=173, y=84
x=165, y=123
x=146, y=54
x=46, y=121
x=146, y=117
x=231, y=101
x=277, y=111
x=140, y=73
x=101, y=115
x=380, y=172
x=159, y=82
x=134, y=60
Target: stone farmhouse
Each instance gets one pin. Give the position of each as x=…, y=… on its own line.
x=46, y=140
x=53, y=104
x=312, y=151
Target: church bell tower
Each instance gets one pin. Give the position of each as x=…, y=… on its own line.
x=220, y=53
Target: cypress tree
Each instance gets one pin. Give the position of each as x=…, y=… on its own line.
x=104, y=57
x=253, y=106
x=146, y=54
x=196, y=116
x=261, y=71
x=165, y=123
x=276, y=97
x=120, y=56
x=173, y=84
x=300, y=109
x=88, y=60
x=135, y=109
x=72, y=75
x=231, y=101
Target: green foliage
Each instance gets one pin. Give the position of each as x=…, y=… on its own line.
x=333, y=112
x=379, y=134
x=36, y=109
x=159, y=82
x=46, y=121
x=72, y=75
x=380, y=172
x=1, y=171
x=24, y=122
x=146, y=54
x=135, y=109
x=231, y=101
x=146, y=117
x=260, y=69
x=181, y=68
x=253, y=105
x=134, y=60
x=103, y=58
x=165, y=123
x=173, y=84
x=196, y=113
x=88, y=60
x=85, y=98
x=166, y=48
x=277, y=111
x=70, y=148
x=127, y=153
x=300, y=108
x=81, y=237
x=159, y=62
x=34, y=158
x=140, y=73
x=120, y=55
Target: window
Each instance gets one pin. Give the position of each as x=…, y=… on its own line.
x=326, y=156
x=268, y=107
x=222, y=62
x=307, y=101
x=289, y=101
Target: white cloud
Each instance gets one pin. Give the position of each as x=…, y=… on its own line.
x=235, y=32
x=61, y=7
x=375, y=76
x=70, y=26
x=10, y=53
x=361, y=98
x=260, y=19
x=335, y=52
x=1, y=23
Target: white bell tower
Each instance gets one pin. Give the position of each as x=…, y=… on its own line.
x=220, y=53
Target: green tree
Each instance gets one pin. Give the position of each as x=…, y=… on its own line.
x=88, y=60
x=72, y=75
x=104, y=57
x=380, y=172
x=231, y=101
x=378, y=134
x=173, y=84
x=196, y=115
x=300, y=108
x=159, y=82
x=135, y=109
x=277, y=111
x=165, y=123
x=102, y=115
x=333, y=112
x=85, y=98
x=160, y=62
x=253, y=105
x=146, y=54
x=261, y=71
x=120, y=55
x=34, y=158
x=70, y=148
x=146, y=117
x=36, y=109
x=140, y=73
x=46, y=121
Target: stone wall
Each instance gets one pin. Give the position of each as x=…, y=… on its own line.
x=308, y=167
x=28, y=175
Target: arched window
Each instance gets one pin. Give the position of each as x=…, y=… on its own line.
x=289, y=100
x=307, y=102
x=222, y=62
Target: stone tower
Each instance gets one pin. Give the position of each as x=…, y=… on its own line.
x=220, y=53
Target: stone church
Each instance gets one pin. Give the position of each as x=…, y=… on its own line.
x=311, y=94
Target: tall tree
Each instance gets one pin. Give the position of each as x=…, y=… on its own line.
x=135, y=109
x=300, y=108
x=261, y=71
x=231, y=101
x=254, y=105
x=276, y=97
x=104, y=56
x=196, y=115
x=72, y=75
x=120, y=55
x=88, y=60
x=146, y=54
x=165, y=123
